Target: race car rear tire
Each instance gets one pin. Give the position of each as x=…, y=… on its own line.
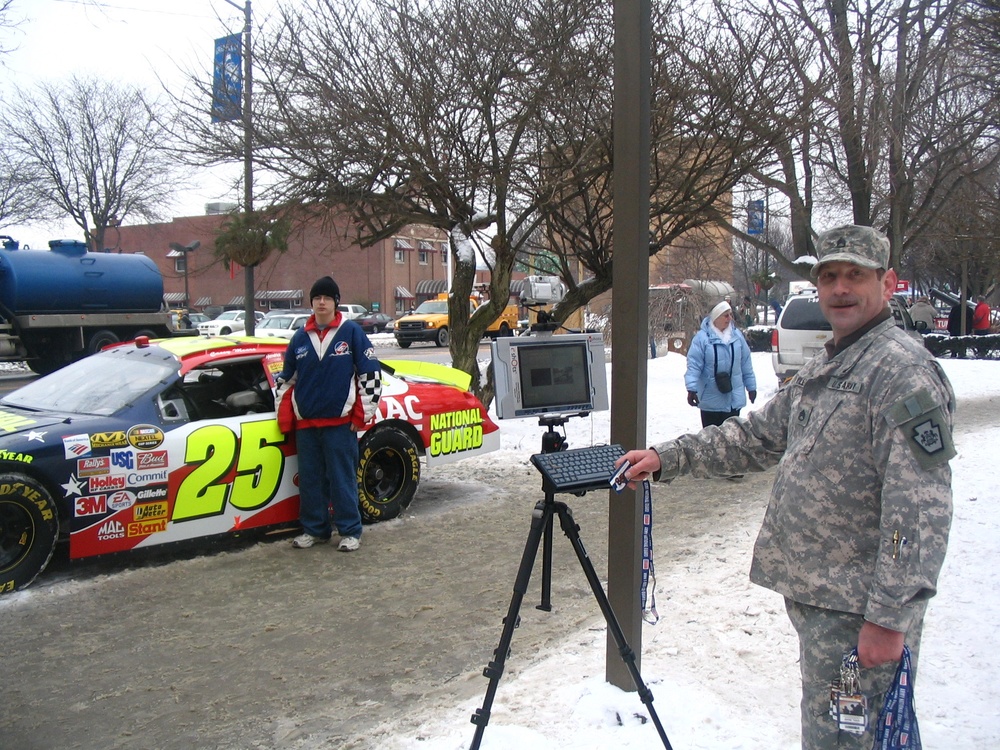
x=388, y=473
x=29, y=527
x=101, y=339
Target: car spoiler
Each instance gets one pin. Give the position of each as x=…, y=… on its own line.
x=410, y=369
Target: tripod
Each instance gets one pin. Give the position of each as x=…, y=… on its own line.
x=541, y=527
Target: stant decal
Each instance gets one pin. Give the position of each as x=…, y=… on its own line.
x=145, y=437
x=145, y=528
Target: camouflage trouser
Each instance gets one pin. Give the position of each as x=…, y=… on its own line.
x=824, y=637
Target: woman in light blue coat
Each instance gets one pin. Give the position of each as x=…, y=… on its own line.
x=719, y=369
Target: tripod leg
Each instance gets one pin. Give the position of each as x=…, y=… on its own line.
x=545, y=604
x=572, y=531
x=541, y=517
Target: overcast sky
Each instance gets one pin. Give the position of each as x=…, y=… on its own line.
x=129, y=41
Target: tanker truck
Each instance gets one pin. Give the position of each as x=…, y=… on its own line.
x=66, y=303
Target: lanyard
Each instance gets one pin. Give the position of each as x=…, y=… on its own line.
x=649, y=613
x=896, y=727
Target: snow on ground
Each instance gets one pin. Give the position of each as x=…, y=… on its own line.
x=723, y=674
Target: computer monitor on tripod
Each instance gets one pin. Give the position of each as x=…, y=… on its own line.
x=549, y=374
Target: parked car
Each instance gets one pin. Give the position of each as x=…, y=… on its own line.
x=802, y=332
x=375, y=322
x=350, y=312
x=228, y=322
x=282, y=324
x=152, y=442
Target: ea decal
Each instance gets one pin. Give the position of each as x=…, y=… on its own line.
x=121, y=500
x=145, y=437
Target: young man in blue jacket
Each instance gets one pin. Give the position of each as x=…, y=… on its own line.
x=338, y=382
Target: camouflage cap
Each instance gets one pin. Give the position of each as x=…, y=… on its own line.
x=862, y=246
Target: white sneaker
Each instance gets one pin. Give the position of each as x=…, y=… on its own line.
x=349, y=544
x=305, y=541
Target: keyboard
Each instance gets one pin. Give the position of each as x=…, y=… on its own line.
x=578, y=470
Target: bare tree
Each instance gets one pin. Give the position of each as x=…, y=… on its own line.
x=890, y=113
x=96, y=151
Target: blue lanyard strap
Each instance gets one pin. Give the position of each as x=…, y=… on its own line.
x=896, y=727
x=649, y=613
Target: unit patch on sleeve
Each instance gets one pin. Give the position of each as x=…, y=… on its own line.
x=924, y=427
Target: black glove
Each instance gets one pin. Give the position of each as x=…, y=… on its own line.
x=692, y=398
x=752, y=395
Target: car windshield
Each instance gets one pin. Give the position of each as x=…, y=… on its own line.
x=278, y=321
x=230, y=315
x=93, y=385
x=433, y=306
x=804, y=314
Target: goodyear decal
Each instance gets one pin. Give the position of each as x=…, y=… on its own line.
x=13, y=422
x=455, y=432
x=23, y=458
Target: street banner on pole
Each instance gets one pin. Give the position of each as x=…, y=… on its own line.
x=227, y=81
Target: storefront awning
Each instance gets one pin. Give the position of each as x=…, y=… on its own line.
x=273, y=294
x=203, y=302
x=403, y=293
x=173, y=298
x=430, y=287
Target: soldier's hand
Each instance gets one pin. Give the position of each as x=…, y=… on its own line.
x=644, y=463
x=878, y=645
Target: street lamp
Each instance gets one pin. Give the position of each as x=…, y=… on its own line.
x=184, y=250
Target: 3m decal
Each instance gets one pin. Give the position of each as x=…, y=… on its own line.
x=90, y=505
x=244, y=473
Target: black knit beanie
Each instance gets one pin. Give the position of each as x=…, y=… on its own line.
x=326, y=287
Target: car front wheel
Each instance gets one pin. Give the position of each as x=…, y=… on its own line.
x=29, y=527
x=388, y=473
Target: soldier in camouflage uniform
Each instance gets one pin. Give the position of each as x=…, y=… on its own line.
x=857, y=525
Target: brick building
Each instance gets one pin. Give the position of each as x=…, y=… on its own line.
x=393, y=275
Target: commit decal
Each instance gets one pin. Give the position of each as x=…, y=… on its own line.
x=456, y=431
